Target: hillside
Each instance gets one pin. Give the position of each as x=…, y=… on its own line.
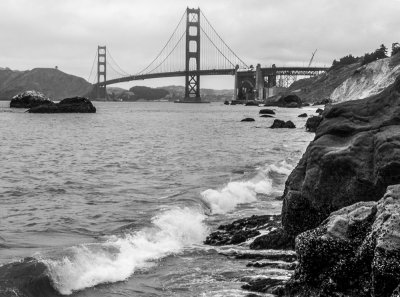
x=51, y=82
x=178, y=92
x=348, y=82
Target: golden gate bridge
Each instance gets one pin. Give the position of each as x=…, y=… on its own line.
x=195, y=49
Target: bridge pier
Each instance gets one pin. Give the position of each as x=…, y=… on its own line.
x=192, y=78
x=101, y=90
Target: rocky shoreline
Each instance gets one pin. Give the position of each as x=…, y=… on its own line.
x=341, y=208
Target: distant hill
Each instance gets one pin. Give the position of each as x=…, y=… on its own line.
x=49, y=81
x=178, y=92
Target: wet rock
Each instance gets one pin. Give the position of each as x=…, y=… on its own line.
x=282, y=124
x=29, y=99
x=248, y=120
x=226, y=102
x=264, y=285
x=266, y=116
x=319, y=111
x=354, y=157
x=276, y=239
x=355, y=251
x=68, y=105
x=273, y=265
x=303, y=115
x=313, y=123
x=241, y=230
x=267, y=111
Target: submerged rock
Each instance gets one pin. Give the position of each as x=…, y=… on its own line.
x=282, y=124
x=355, y=155
x=29, y=99
x=248, y=120
x=68, y=105
x=355, y=251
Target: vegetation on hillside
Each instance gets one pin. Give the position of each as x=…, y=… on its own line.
x=379, y=53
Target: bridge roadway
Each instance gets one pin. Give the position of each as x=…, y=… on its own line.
x=265, y=71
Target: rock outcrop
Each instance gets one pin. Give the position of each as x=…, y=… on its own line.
x=282, y=124
x=68, y=105
x=29, y=99
x=355, y=155
x=313, y=123
x=248, y=120
x=355, y=252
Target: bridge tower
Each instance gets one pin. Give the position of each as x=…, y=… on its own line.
x=101, y=72
x=192, y=77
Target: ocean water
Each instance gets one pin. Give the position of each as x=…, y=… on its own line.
x=118, y=203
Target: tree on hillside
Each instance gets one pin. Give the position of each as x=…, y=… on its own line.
x=395, y=48
x=378, y=54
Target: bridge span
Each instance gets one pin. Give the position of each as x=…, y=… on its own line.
x=193, y=50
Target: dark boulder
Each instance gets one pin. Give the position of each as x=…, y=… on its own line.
x=303, y=115
x=226, y=102
x=282, y=124
x=29, y=99
x=322, y=102
x=248, y=120
x=266, y=116
x=313, y=123
x=354, y=252
x=68, y=105
x=319, y=111
x=355, y=155
x=266, y=111
x=286, y=101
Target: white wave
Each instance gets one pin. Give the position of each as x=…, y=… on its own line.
x=239, y=192
x=118, y=257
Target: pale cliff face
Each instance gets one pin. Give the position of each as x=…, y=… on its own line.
x=366, y=81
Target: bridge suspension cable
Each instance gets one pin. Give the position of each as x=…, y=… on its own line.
x=91, y=70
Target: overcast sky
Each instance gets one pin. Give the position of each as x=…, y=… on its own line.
x=46, y=33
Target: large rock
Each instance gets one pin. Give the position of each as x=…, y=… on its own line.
x=286, y=101
x=282, y=124
x=313, y=123
x=355, y=155
x=355, y=252
x=68, y=105
x=29, y=99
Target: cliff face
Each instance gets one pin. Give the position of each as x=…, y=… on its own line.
x=367, y=80
x=51, y=82
x=354, y=157
x=349, y=82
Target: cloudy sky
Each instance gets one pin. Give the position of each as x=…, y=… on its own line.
x=49, y=33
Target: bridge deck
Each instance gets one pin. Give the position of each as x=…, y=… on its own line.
x=265, y=71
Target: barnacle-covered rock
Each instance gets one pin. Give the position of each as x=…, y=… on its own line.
x=354, y=252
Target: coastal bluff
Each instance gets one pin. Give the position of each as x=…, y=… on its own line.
x=354, y=157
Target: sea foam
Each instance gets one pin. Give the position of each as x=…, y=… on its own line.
x=234, y=193
x=118, y=257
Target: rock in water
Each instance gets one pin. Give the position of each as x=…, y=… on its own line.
x=355, y=155
x=303, y=115
x=248, y=120
x=282, y=124
x=319, y=111
x=29, y=99
x=266, y=111
x=68, y=105
x=313, y=123
x=355, y=252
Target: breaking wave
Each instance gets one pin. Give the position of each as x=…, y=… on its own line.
x=118, y=257
x=239, y=192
